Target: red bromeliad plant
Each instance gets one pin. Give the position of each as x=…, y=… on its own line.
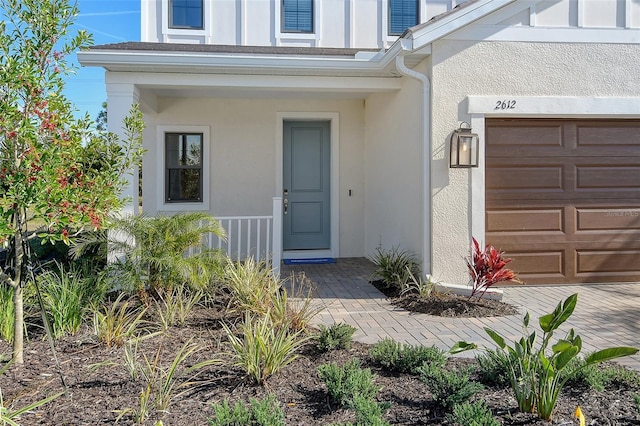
x=487, y=267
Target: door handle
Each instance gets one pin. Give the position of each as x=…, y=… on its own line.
x=285, y=202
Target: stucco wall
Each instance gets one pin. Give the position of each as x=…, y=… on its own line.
x=393, y=169
x=463, y=68
x=243, y=156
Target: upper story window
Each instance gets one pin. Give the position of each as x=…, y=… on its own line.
x=183, y=167
x=186, y=14
x=297, y=16
x=402, y=15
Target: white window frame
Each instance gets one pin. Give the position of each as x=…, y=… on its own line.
x=314, y=36
x=167, y=30
x=161, y=169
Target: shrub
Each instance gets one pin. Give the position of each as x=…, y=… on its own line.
x=493, y=367
x=175, y=307
x=6, y=313
x=369, y=412
x=118, y=322
x=487, y=267
x=67, y=298
x=395, y=267
x=405, y=358
x=159, y=253
x=424, y=288
x=292, y=305
x=344, y=383
x=448, y=388
x=636, y=400
x=537, y=375
x=598, y=377
x=252, y=286
x=263, y=349
x=472, y=414
x=337, y=336
x=265, y=412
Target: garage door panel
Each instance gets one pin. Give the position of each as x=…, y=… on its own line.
x=609, y=219
x=525, y=220
x=565, y=204
x=604, y=262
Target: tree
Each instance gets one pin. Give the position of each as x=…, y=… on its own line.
x=101, y=119
x=53, y=167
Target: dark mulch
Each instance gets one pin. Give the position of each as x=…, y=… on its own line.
x=94, y=395
x=446, y=304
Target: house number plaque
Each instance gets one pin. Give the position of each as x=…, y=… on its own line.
x=505, y=104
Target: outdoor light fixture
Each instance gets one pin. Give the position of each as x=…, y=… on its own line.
x=464, y=148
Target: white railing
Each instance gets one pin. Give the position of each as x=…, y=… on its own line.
x=259, y=237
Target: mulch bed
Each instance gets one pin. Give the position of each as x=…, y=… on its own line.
x=95, y=395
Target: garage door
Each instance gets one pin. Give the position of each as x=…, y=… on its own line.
x=563, y=198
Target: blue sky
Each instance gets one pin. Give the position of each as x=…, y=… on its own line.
x=110, y=21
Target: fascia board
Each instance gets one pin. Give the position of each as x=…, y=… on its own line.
x=115, y=60
x=455, y=21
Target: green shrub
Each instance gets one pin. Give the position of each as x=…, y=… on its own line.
x=493, y=367
x=6, y=313
x=118, y=322
x=395, y=267
x=475, y=414
x=265, y=412
x=175, y=307
x=405, y=358
x=252, y=286
x=448, y=388
x=67, y=299
x=263, y=348
x=346, y=382
x=337, y=336
x=598, y=377
x=369, y=412
x=636, y=400
x=292, y=305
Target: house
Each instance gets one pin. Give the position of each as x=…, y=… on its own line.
x=332, y=121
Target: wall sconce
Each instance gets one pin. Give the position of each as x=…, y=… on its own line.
x=464, y=148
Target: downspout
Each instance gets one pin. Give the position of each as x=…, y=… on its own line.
x=426, y=160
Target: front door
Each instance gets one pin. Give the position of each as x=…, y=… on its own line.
x=306, y=192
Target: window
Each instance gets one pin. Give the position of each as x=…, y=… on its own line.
x=297, y=16
x=183, y=167
x=402, y=15
x=186, y=14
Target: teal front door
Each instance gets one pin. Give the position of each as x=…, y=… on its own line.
x=306, y=191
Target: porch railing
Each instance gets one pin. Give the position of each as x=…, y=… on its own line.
x=259, y=237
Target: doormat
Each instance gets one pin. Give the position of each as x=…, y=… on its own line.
x=313, y=261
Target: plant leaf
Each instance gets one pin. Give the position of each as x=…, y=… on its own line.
x=462, y=346
x=609, y=354
x=496, y=337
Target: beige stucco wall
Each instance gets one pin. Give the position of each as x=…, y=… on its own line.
x=504, y=69
x=243, y=155
x=393, y=169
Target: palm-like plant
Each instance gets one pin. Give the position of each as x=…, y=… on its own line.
x=159, y=253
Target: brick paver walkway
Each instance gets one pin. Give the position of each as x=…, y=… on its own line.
x=606, y=315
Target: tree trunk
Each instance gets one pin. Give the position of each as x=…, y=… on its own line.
x=18, y=306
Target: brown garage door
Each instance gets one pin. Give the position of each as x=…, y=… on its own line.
x=563, y=198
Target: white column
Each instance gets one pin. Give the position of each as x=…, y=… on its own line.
x=276, y=246
x=120, y=98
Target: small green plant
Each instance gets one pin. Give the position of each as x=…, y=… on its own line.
x=265, y=412
x=404, y=358
x=369, y=412
x=175, y=307
x=487, y=267
x=636, y=400
x=493, y=367
x=252, y=286
x=118, y=322
x=8, y=414
x=346, y=382
x=292, y=305
x=67, y=298
x=424, y=288
x=448, y=387
x=336, y=336
x=598, y=377
x=536, y=374
x=395, y=267
x=472, y=414
x=6, y=313
x=263, y=349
